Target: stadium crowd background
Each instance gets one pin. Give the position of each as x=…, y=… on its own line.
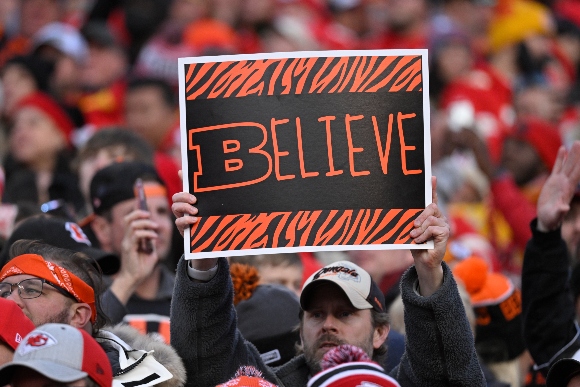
x=504, y=94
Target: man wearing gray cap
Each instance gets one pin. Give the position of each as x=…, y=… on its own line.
x=58, y=353
x=340, y=305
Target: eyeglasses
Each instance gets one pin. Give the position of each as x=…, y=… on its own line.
x=29, y=288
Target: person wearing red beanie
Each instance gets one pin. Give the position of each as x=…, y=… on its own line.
x=39, y=153
x=48, y=106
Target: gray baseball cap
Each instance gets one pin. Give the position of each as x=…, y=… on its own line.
x=61, y=353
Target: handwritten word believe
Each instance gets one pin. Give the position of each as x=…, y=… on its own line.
x=234, y=164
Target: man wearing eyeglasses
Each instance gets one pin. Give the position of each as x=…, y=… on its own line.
x=54, y=285
x=49, y=293
x=30, y=288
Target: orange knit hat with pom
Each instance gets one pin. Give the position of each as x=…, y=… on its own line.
x=497, y=306
x=482, y=285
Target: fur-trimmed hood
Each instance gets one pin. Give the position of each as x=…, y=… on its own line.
x=137, y=347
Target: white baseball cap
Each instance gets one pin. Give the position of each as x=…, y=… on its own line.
x=65, y=38
x=356, y=283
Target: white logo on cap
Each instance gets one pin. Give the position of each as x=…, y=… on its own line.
x=35, y=341
x=18, y=338
x=342, y=272
x=77, y=233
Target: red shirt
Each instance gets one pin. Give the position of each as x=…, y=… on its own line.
x=104, y=107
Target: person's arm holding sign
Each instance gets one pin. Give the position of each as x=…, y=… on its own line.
x=185, y=212
x=203, y=321
x=440, y=348
x=430, y=225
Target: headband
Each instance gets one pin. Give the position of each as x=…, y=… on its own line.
x=153, y=189
x=33, y=264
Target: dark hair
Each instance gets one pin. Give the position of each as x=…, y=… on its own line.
x=38, y=68
x=133, y=145
x=167, y=92
x=380, y=319
x=77, y=263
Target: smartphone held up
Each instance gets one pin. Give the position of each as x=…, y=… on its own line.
x=145, y=244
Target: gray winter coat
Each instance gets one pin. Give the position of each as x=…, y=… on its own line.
x=439, y=350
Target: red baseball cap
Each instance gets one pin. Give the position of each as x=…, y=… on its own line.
x=14, y=324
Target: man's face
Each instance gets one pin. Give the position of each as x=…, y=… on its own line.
x=91, y=165
x=50, y=307
x=104, y=66
x=160, y=213
x=148, y=115
x=331, y=320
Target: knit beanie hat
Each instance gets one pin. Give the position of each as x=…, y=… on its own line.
x=247, y=376
x=515, y=20
x=498, y=310
x=267, y=315
x=348, y=366
x=52, y=109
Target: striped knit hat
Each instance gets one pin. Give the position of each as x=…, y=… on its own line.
x=349, y=366
x=247, y=376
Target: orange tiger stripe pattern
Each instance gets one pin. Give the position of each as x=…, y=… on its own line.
x=358, y=74
x=294, y=229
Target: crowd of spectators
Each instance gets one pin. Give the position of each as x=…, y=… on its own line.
x=87, y=83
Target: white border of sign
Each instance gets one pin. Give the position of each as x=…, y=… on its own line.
x=304, y=54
